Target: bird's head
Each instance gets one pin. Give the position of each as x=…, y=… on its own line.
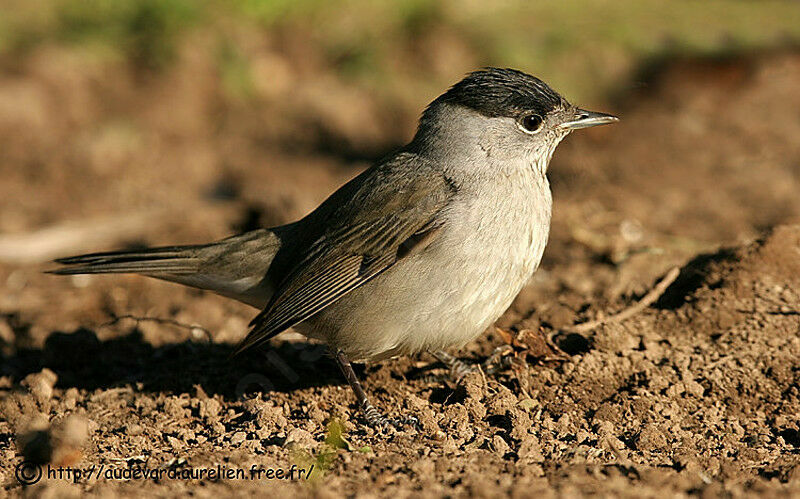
x=507, y=114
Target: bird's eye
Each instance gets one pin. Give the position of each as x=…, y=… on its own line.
x=531, y=123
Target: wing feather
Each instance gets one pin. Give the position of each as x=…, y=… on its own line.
x=359, y=242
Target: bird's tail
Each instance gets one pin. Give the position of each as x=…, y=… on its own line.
x=169, y=259
x=234, y=267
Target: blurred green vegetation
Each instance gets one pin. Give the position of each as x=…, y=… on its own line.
x=320, y=462
x=582, y=47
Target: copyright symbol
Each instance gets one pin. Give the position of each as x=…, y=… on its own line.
x=28, y=473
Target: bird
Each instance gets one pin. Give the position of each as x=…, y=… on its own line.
x=420, y=252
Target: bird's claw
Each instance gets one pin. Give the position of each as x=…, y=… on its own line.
x=379, y=422
x=499, y=360
x=457, y=368
x=460, y=370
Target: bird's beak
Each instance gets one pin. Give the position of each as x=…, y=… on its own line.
x=585, y=119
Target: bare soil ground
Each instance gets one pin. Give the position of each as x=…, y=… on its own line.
x=696, y=395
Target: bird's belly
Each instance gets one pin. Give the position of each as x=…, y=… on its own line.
x=445, y=296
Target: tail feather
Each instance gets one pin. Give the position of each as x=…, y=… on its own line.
x=234, y=267
x=172, y=260
x=146, y=254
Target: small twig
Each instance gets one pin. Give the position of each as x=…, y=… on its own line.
x=650, y=298
x=483, y=376
x=159, y=320
x=783, y=311
x=140, y=457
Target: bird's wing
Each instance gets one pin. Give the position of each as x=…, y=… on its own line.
x=369, y=224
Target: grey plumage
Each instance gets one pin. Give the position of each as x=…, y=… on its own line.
x=235, y=267
x=422, y=251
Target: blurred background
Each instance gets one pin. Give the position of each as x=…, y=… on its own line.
x=132, y=122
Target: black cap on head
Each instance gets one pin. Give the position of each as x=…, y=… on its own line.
x=502, y=92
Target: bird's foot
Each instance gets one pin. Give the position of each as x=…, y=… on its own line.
x=374, y=418
x=458, y=369
x=380, y=422
x=461, y=369
x=499, y=360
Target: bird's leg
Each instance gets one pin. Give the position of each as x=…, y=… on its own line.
x=371, y=414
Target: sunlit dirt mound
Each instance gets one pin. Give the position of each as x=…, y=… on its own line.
x=730, y=286
x=704, y=385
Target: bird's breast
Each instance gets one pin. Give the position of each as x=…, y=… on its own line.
x=500, y=237
x=447, y=294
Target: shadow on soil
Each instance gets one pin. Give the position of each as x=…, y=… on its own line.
x=693, y=275
x=82, y=360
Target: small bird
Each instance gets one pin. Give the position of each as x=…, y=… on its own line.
x=419, y=253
